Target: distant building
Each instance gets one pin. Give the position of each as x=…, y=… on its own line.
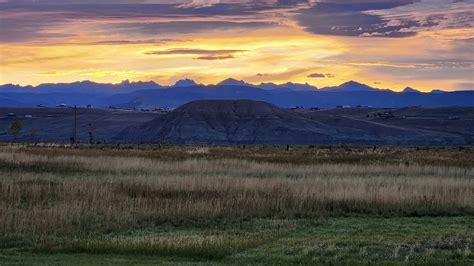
x=11, y=115
x=453, y=117
x=387, y=115
x=297, y=108
x=40, y=105
x=90, y=106
x=28, y=116
x=63, y=105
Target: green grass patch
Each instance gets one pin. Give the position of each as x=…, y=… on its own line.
x=352, y=240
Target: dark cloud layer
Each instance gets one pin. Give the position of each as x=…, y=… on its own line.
x=215, y=57
x=316, y=75
x=327, y=17
x=349, y=19
x=126, y=42
x=182, y=27
x=128, y=11
x=202, y=54
x=193, y=52
x=23, y=22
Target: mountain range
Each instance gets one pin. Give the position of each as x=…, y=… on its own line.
x=147, y=95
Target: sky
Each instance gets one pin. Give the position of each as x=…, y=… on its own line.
x=424, y=44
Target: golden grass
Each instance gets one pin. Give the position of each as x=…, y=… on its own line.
x=65, y=193
x=308, y=155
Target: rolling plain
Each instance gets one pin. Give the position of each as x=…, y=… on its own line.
x=238, y=122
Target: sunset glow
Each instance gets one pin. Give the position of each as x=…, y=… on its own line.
x=387, y=44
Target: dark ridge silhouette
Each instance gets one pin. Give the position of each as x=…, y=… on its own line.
x=350, y=86
x=233, y=82
x=185, y=83
x=410, y=90
x=228, y=122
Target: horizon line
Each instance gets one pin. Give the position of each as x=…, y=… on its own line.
x=316, y=88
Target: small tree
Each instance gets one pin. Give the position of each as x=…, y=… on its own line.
x=15, y=129
x=91, y=130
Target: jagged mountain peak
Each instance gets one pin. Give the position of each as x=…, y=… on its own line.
x=409, y=89
x=287, y=86
x=233, y=82
x=351, y=86
x=185, y=83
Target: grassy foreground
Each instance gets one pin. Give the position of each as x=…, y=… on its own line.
x=309, y=205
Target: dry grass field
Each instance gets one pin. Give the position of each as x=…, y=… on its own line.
x=265, y=205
